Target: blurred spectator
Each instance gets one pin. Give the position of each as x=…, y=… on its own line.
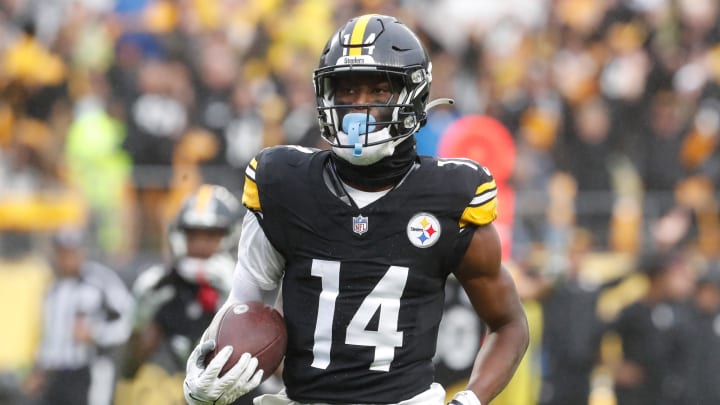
x=157, y=120
x=23, y=169
x=587, y=156
x=86, y=315
x=533, y=171
x=704, y=377
x=159, y=115
x=244, y=133
x=34, y=197
x=572, y=329
x=99, y=167
x=700, y=147
x=35, y=76
x=176, y=301
x=131, y=50
x=300, y=125
x=658, y=155
x=654, y=333
x=217, y=72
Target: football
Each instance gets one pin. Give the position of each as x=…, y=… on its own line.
x=252, y=327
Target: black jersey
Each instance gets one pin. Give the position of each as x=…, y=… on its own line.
x=182, y=319
x=190, y=310
x=363, y=287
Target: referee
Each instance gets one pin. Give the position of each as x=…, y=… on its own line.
x=86, y=313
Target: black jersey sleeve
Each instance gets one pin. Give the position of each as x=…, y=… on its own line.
x=476, y=188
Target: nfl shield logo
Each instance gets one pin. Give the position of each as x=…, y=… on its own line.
x=360, y=224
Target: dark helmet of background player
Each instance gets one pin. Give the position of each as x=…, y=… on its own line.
x=211, y=207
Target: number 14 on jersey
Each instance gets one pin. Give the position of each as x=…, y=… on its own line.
x=385, y=297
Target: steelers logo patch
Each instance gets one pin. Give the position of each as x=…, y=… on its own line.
x=423, y=230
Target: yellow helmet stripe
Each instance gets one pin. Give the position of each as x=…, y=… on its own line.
x=203, y=197
x=358, y=35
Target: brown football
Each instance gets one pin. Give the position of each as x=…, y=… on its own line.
x=252, y=327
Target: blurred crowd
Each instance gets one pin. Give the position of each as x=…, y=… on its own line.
x=113, y=111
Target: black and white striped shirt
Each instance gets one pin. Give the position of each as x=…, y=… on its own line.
x=100, y=297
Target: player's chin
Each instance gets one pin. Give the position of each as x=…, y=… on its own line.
x=366, y=155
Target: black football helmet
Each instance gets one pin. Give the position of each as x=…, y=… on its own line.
x=209, y=207
x=380, y=44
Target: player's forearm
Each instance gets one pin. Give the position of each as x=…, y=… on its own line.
x=498, y=359
x=244, y=288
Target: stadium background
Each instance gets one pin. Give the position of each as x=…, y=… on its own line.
x=111, y=111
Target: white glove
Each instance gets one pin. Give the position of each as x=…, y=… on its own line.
x=202, y=385
x=217, y=270
x=465, y=397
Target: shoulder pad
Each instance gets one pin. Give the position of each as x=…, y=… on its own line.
x=483, y=203
x=288, y=155
x=147, y=280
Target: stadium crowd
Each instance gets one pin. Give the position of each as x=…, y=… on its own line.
x=113, y=111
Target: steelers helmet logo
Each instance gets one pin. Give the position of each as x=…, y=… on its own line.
x=423, y=230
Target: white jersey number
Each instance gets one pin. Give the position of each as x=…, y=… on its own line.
x=385, y=297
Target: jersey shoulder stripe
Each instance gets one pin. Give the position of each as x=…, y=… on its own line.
x=250, y=196
x=475, y=184
x=482, y=208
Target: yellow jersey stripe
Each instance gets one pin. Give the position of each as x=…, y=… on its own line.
x=483, y=198
x=485, y=187
x=480, y=215
x=250, y=170
x=358, y=35
x=250, y=197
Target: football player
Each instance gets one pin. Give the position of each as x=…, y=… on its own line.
x=362, y=238
x=177, y=301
